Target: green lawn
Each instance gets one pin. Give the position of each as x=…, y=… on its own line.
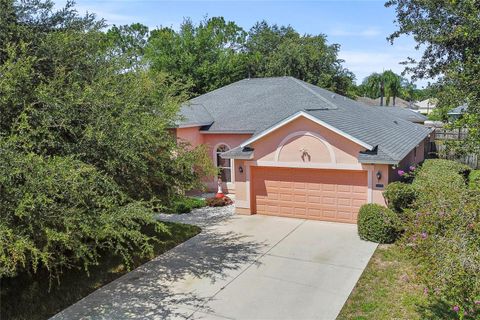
x=26, y=297
x=387, y=289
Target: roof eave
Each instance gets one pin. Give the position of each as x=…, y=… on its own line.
x=389, y=162
x=192, y=125
x=226, y=132
x=238, y=157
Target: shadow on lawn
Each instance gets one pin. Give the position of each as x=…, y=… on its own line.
x=149, y=291
x=437, y=310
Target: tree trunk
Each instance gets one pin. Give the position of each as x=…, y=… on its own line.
x=382, y=92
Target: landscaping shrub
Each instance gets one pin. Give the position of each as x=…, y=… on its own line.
x=439, y=179
x=400, y=196
x=219, y=202
x=59, y=212
x=443, y=235
x=474, y=180
x=185, y=205
x=378, y=224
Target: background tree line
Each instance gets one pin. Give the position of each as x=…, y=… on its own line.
x=215, y=53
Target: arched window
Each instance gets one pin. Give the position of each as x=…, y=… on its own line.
x=224, y=164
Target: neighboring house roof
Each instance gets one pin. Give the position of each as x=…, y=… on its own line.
x=458, y=110
x=404, y=113
x=427, y=105
x=257, y=105
x=399, y=102
x=376, y=102
x=368, y=101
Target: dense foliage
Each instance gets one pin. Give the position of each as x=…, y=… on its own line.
x=400, y=196
x=442, y=176
x=443, y=233
x=474, y=180
x=388, y=86
x=378, y=224
x=449, y=33
x=84, y=141
x=185, y=204
x=215, y=53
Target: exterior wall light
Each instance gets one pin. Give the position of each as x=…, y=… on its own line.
x=379, y=175
x=240, y=169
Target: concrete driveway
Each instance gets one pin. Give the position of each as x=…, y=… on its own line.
x=240, y=267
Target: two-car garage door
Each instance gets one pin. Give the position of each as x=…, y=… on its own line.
x=331, y=195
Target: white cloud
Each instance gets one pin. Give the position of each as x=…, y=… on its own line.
x=368, y=32
x=110, y=11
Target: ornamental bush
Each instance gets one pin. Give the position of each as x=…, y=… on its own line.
x=439, y=179
x=219, y=202
x=400, y=196
x=378, y=224
x=443, y=234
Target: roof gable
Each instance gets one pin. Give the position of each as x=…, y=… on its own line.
x=310, y=117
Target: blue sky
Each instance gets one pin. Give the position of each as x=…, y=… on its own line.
x=360, y=27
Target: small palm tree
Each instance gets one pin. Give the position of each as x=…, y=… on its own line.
x=393, y=85
x=386, y=84
x=374, y=86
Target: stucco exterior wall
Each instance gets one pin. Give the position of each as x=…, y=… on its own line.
x=212, y=141
x=344, y=150
x=378, y=185
x=191, y=135
x=415, y=156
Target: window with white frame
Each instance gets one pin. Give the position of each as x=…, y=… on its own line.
x=224, y=164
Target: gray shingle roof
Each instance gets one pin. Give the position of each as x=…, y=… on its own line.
x=254, y=105
x=403, y=113
x=458, y=110
x=192, y=114
x=238, y=153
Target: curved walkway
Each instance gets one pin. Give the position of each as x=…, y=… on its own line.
x=238, y=267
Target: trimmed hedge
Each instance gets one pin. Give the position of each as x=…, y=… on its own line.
x=378, y=224
x=400, y=196
x=439, y=179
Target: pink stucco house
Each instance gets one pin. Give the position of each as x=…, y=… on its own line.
x=288, y=148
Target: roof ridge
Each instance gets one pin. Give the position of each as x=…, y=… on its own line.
x=299, y=82
x=218, y=89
